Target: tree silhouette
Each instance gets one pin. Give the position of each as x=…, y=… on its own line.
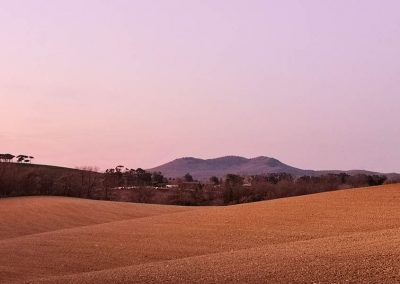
x=24, y=159
x=21, y=158
x=6, y=158
x=214, y=180
x=158, y=178
x=188, y=177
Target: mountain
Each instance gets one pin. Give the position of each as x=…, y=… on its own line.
x=202, y=169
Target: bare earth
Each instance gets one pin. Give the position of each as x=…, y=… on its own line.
x=350, y=236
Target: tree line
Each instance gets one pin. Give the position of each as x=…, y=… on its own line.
x=279, y=185
x=235, y=189
x=85, y=182
x=138, y=185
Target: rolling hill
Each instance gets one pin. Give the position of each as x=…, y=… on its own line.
x=202, y=169
x=350, y=236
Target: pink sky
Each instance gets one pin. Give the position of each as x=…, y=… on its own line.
x=313, y=83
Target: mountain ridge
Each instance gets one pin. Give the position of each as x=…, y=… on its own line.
x=202, y=169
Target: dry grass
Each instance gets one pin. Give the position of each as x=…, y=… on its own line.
x=341, y=236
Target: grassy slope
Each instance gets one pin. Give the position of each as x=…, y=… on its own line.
x=336, y=236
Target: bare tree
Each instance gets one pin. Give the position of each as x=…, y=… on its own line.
x=89, y=179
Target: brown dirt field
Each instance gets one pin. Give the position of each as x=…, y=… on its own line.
x=348, y=236
x=31, y=215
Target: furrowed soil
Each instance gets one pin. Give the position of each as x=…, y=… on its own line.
x=347, y=236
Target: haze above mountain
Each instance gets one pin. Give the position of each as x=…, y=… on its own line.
x=202, y=169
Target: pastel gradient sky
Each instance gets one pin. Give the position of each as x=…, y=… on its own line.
x=313, y=83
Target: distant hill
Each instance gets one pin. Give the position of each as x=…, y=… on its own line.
x=202, y=169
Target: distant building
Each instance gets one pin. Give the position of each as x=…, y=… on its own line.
x=172, y=186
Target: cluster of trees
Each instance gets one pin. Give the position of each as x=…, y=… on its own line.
x=8, y=158
x=121, y=177
x=124, y=177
